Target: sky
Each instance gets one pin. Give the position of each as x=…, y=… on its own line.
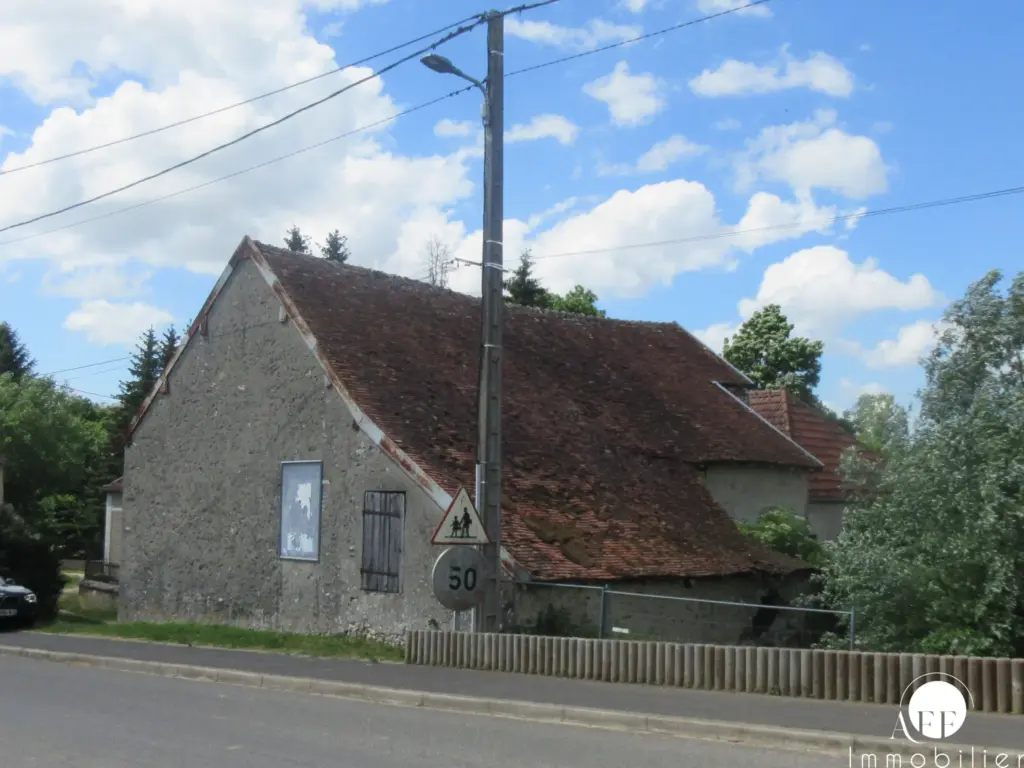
x=690, y=177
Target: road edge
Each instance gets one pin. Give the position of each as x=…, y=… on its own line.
x=706, y=730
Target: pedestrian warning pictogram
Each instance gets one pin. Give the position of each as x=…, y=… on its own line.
x=461, y=524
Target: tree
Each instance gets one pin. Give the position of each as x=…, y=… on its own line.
x=14, y=356
x=168, y=346
x=932, y=552
x=144, y=371
x=296, y=241
x=439, y=262
x=878, y=421
x=523, y=288
x=578, y=301
x=765, y=351
x=335, y=247
x=49, y=441
x=788, y=533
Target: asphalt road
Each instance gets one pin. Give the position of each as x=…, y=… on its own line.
x=54, y=715
x=873, y=720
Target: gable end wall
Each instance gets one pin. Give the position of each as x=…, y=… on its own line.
x=203, y=477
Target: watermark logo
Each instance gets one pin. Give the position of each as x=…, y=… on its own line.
x=935, y=711
x=932, y=710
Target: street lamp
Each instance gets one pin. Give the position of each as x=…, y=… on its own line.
x=444, y=66
x=488, y=617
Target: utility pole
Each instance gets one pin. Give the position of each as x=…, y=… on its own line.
x=488, y=618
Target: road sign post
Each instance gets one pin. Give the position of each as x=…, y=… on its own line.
x=458, y=578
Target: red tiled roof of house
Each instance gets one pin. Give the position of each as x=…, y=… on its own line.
x=821, y=436
x=603, y=420
x=115, y=486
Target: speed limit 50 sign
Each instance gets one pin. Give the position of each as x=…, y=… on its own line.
x=458, y=578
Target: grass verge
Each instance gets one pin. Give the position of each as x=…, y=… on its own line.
x=81, y=616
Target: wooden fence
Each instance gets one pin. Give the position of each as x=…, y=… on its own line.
x=995, y=685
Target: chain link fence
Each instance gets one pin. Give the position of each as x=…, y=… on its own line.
x=576, y=610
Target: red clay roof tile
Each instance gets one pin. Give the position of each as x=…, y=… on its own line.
x=603, y=420
x=822, y=437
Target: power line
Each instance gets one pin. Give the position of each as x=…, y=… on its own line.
x=229, y=107
x=459, y=31
x=450, y=36
x=90, y=365
x=267, y=94
x=792, y=225
x=248, y=169
x=637, y=39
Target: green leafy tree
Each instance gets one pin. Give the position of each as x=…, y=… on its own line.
x=878, y=421
x=14, y=355
x=932, y=552
x=296, y=241
x=335, y=248
x=579, y=301
x=765, y=350
x=144, y=371
x=50, y=439
x=786, y=532
x=168, y=346
x=523, y=288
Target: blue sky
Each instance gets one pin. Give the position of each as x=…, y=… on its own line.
x=828, y=107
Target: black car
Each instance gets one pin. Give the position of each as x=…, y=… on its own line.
x=17, y=604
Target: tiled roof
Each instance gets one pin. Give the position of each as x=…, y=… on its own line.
x=115, y=486
x=603, y=420
x=821, y=436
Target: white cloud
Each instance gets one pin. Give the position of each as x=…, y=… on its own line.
x=555, y=210
x=728, y=124
x=447, y=128
x=714, y=335
x=596, y=32
x=814, y=155
x=107, y=323
x=636, y=6
x=544, y=127
x=665, y=153
x=717, y=6
x=104, y=282
x=605, y=246
x=912, y=342
x=658, y=158
x=632, y=99
x=852, y=390
x=194, y=58
x=770, y=219
x=819, y=72
x=821, y=290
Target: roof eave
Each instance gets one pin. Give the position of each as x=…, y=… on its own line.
x=816, y=463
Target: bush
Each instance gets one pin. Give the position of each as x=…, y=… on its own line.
x=788, y=533
x=31, y=562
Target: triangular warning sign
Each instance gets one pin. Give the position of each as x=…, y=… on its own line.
x=461, y=524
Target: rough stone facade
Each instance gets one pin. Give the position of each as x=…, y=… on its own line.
x=826, y=519
x=644, y=616
x=747, y=491
x=202, y=488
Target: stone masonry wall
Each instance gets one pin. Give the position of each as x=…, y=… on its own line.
x=202, y=488
x=746, y=491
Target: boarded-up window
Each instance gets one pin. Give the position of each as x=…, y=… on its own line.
x=383, y=523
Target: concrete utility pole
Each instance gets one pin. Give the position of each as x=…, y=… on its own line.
x=488, y=618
